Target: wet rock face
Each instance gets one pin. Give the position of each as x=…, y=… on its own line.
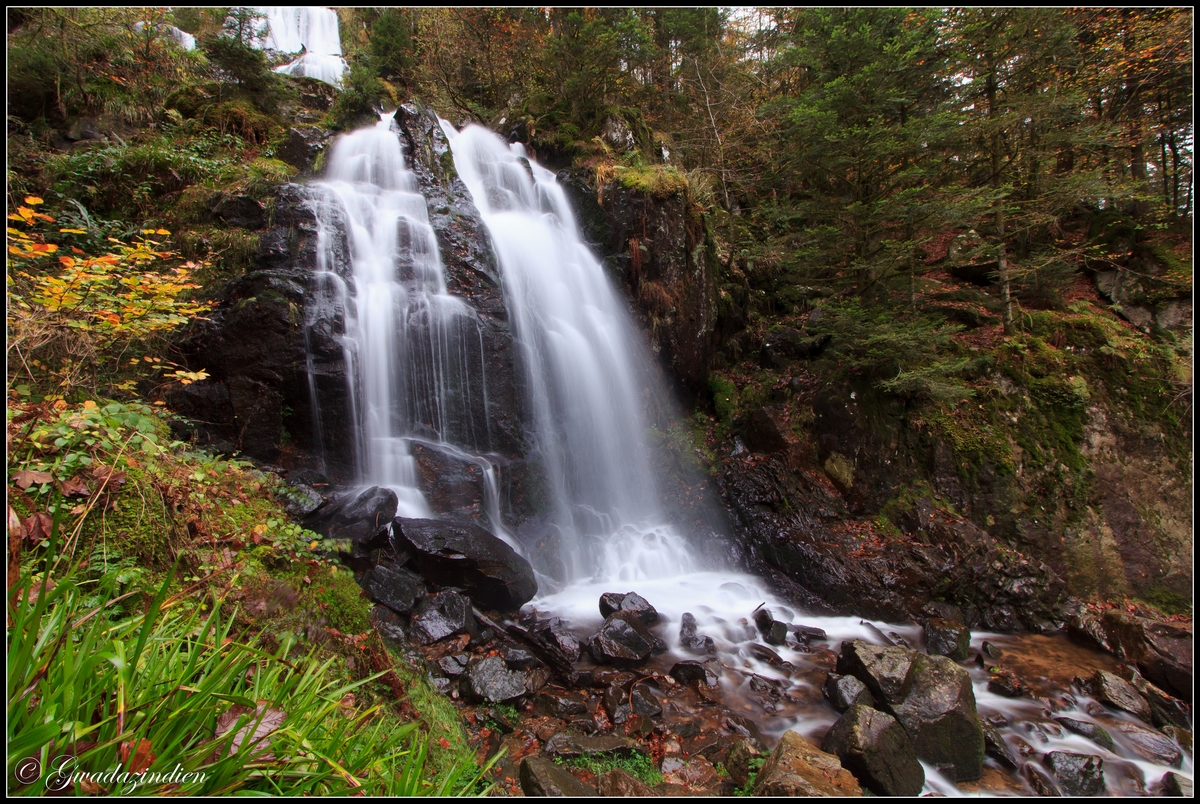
x=468, y=557
x=492, y=681
x=1118, y=693
x=1162, y=651
x=444, y=615
x=797, y=768
x=361, y=517
x=930, y=696
x=690, y=640
x=876, y=749
x=541, y=777
x=1092, y=731
x=944, y=638
x=624, y=639
x=394, y=587
x=1077, y=774
x=630, y=602
x=847, y=691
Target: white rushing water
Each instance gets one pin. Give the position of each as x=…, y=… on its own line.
x=308, y=29
x=582, y=360
x=411, y=348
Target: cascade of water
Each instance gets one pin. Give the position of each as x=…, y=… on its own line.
x=411, y=349
x=582, y=358
x=311, y=29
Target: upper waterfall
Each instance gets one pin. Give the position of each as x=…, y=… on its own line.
x=583, y=365
x=310, y=30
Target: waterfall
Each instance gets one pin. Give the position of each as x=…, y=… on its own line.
x=411, y=349
x=583, y=363
x=311, y=29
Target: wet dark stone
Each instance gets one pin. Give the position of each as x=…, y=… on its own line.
x=945, y=638
x=301, y=500
x=994, y=746
x=1162, y=651
x=691, y=641
x=762, y=431
x=991, y=651
x=558, y=705
x=740, y=724
x=624, y=639
x=1117, y=692
x=738, y=762
x=559, y=644
x=875, y=748
x=621, y=783
x=1040, y=780
x=932, y=698
x=541, y=777
x=807, y=633
x=701, y=672
x=362, y=517
x=518, y=658
x=1164, y=710
x=765, y=654
x=1092, y=731
x=394, y=587
x=301, y=146
x=443, y=615
x=1077, y=774
x=616, y=702
x=241, y=211
x=1003, y=681
x=492, y=681
x=569, y=745
x=629, y=602
x=1174, y=784
x=470, y=558
x=1088, y=630
x=454, y=486
x=1151, y=745
x=536, y=678
x=773, y=631
x=643, y=702
x=846, y=691
x=454, y=665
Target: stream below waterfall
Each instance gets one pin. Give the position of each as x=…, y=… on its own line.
x=417, y=381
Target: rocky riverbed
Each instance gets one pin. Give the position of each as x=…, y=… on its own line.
x=712, y=683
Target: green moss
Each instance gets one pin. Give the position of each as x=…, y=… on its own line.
x=656, y=181
x=725, y=398
x=637, y=765
x=341, y=601
x=1167, y=601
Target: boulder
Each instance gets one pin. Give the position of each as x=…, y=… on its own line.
x=1162, y=651
x=846, y=691
x=1003, y=681
x=932, y=698
x=1077, y=774
x=945, y=638
x=773, y=631
x=1164, y=710
x=454, y=665
x=541, y=777
x=1119, y=693
x=395, y=587
x=492, y=681
x=361, y=517
x=518, y=658
x=568, y=745
x=629, y=602
x=558, y=643
x=738, y=761
x=694, y=772
x=807, y=633
x=560, y=705
x=798, y=768
x=621, y=783
x=241, y=211
x=642, y=701
x=1040, y=781
x=1151, y=745
x=875, y=748
x=690, y=640
x=702, y=673
x=301, y=146
x=467, y=557
x=1092, y=731
x=454, y=485
x=994, y=746
x=616, y=703
x=444, y=615
x=1174, y=784
x=624, y=639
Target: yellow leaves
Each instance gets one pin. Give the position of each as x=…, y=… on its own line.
x=72, y=231
x=33, y=200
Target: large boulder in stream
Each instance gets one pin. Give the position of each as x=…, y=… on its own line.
x=468, y=557
x=624, y=640
x=798, y=768
x=1162, y=651
x=931, y=697
x=875, y=748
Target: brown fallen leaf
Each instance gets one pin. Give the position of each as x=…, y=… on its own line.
x=106, y=473
x=263, y=720
x=37, y=528
x=74, y=488
x=27, y=477
x=137, y=756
